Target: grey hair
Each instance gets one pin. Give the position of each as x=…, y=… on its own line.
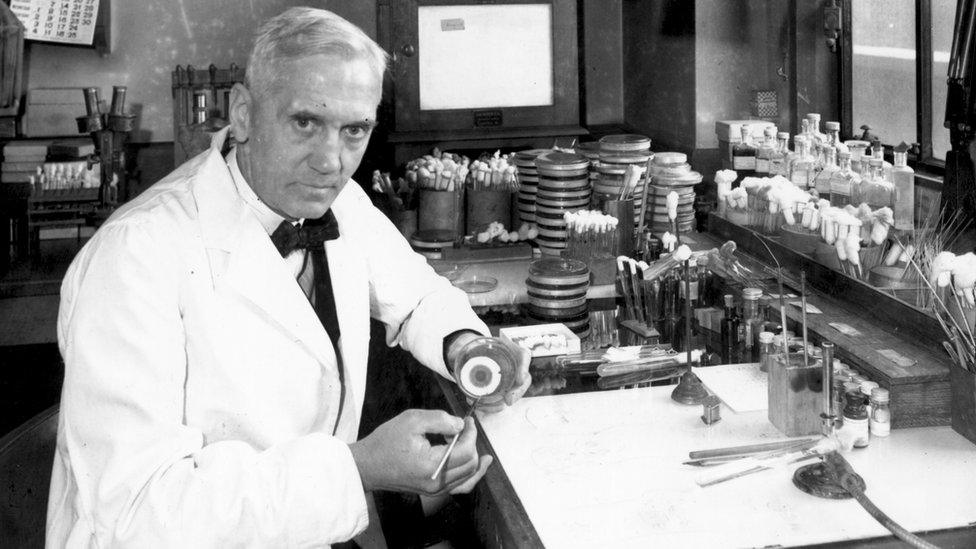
x=302, y=32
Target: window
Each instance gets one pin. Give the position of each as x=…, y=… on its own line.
x=896, y=65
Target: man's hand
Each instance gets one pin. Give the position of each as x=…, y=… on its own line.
x=397, y=456
x=523, y=380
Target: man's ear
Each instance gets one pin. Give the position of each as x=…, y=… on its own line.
x=241, y=104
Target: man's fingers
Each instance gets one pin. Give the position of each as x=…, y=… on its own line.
x=456, y=475
x=435, y=422
x=468, y=484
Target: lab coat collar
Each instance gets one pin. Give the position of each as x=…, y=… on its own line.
x=244, y=260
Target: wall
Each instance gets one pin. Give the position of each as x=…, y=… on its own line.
x=601, y=66
x=152, y=37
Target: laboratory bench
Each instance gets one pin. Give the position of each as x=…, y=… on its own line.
x=577, y=465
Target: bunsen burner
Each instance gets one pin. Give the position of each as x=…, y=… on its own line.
x=564, y=186
x=557, y=293
x=528, y=183
x=670, y=171
x=616, y=153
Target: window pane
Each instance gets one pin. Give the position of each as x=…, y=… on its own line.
x=943, y=17
x=883, y=83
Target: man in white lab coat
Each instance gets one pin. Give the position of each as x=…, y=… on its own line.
x=204, y=405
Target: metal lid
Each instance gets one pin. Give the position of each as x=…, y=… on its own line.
x=669, y=158
x=751, y=293
x=880, y=395
x=625, y=142
x=766, y=337
x=832, y=125
x=559, y=160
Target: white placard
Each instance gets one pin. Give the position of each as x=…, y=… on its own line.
x=65, y=21
x=483, y=56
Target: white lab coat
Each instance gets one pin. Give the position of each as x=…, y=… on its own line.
x=200, y=388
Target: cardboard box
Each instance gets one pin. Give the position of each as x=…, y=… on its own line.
x=731, y=130
x=53, y=112
x=543, y=339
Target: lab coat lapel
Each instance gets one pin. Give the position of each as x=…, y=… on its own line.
x=351, y=289
x=244, y=261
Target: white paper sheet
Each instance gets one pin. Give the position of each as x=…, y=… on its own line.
x=742, y=387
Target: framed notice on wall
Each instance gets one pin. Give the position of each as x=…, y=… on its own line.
x=63, y=21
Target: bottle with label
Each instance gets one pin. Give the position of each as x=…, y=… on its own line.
x=764, y=153
x=748, y=325
x=485, y=367
x=877, y=151
x=802, y=165
x=730, y=331
x=817, y=138
x=875, y=191
x=778, y=159
x=744, y=154
x=880, y=419
x=855, y=427
x=903, y=178
x=822, y=180
x=844, y=182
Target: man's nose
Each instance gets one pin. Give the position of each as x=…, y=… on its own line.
x=325, y=157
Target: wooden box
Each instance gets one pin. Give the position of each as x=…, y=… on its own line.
x=963, y=402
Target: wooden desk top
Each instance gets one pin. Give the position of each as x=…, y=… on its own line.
x=604, y=469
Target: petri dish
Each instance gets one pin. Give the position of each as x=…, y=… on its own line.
x=476, y=284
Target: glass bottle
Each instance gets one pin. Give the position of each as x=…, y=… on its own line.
x=844, y=182
x=749, y=322
x=822, y=180
x=704, y=286
x=766, y=350
x=856, y=419
x=903, y=178
x=802, y=164
x=730, y=331
x=833, y=136
x=876, y=191
x=777, y=161
x=485, y=367
x=770, y=316
x=856, y=147
x=819, y=138
x=880, y=420
x=877, y=151
x=764, y=152
x=744, y=154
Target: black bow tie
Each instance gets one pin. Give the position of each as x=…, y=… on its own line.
x=311, y=234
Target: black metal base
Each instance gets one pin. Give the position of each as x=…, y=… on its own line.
x=689, y=390
x=816, y=480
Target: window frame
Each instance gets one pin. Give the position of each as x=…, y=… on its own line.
x=924, y=161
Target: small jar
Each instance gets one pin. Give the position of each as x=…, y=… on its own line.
x=855, y=426
x=766, y=350
x=866, y=387
x=880, y=419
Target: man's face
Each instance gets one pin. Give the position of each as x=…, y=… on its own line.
x=304, y=137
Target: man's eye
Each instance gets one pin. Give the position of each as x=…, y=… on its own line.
x=356, y=132
x=303, y=123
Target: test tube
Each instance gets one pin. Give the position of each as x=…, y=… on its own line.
x=827, y=387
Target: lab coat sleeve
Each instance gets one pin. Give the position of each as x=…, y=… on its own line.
x=144, y=478
x=419, y=307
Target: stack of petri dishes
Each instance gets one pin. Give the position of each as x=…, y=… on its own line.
x=616, y=153
x=670, y=171
x=528, y=183
x=564, y=186
x=429, y=242
x=591, y=150
x=557, y=293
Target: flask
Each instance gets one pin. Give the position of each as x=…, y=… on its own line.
x=744, y=154
x=730, y=330
x=485, y=367
x=764, y=153
x=903, y=178
x=843, y=182
x=880, y=420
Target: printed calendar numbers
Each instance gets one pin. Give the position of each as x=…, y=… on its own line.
x=64, y=21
